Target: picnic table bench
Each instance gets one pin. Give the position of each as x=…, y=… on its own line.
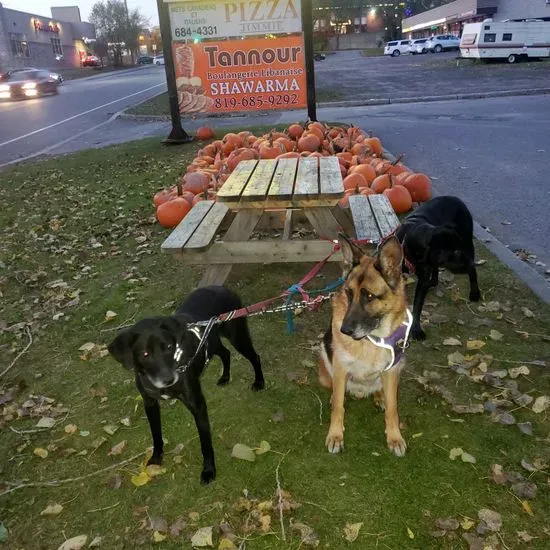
x=311, y=185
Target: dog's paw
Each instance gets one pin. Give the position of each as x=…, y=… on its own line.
x=223, y=381
x=258, y=385
x=155, y=459
x=475, y=295
x=208, y=475
x=379, y=401
x=335, y=441
x=397, y=445
x=418, y=334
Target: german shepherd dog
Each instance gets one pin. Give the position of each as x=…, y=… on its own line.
x=371, y=304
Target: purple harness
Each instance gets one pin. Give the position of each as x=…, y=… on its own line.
x=396, y=343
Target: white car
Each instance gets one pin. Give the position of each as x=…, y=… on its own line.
x=443, y=42
x=158, y=60
x=418, y=46
x=397, y=47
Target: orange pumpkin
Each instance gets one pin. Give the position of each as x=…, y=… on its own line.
x=172, y=212
x=375, y=144
x=381, y=183
x=271, y=151
x=290, y=155
x=309, y=142
x=354, y=181
x=204, y=133
x=400, y=198
x=163, y=196
x=295, y=131
x=196, y=182
x=288, y=144
x=419, y=186
x=366, y=171
x=367, y=191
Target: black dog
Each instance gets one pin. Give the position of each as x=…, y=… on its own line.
x=156, y=348
x=438, y=234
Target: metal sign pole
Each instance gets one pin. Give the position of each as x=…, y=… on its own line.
x=307, y=27
x=177, y=134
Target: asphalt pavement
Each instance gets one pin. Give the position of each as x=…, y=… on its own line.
x=32, y=126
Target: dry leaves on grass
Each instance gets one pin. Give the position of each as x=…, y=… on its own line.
x=52, y=510
x=459, y=452
x=351, y=531
x=75, y=543
x=308, y=537
x=202, y=538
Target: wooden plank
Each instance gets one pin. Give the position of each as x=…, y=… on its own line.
x=204, y=234
x=233, y=187
x=386, y=218
x=259, y=252
x=259, y=181
x=307, y=179
x=366, y=228
x=282, y=183
x=324, y=223
x=343, y=217
x=330, y=178
x=242, y=227
x=185, y=229
x=287, y=229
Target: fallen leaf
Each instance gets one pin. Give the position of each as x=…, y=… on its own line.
x=265, y=523
x=159, y=537
x=96, y=443
x=154, y=470
x=452, y=342
x=52, y=510
x=504, y=418
x=202, y=537
x=308, y=536
x=447, y=524
x=42, y=453
x=178, y=526
x=110, y=429
x=76, y=543
x=226, y=544
x=114, y=481
x=456, y=358
x=46, y=422
x=194, y=516
x=524, y=536
x=517, y=371
x=467, y=457
x=84, y=433
x=351, y=531
x=455, y=453
x=263, y=448
x=87, y=347
x=527, y=507
x=118, y=448
x=278, y=416
x=498, y=474
x=476, y=408
x=125, y=422
x=541, y=404
x=96, y=542
x=492, y=519
x=70, y=429
x=410, y=533
x=243, y=452
x=419, y=434
x=467, y=524
x=141, y=479
x=525, y=490
x=158, y=523
x=527, y=312
x=523, y=400
x=474, y=344
x=110, y=315
x=495, y=335
x=528, y=466
x=3, y=533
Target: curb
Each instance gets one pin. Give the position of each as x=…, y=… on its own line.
x=107, y=75
x=536, y=282
x=368, y=102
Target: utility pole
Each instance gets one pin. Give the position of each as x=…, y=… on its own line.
x=307, y=27
x=177, y=134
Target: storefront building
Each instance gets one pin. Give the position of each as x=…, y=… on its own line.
x=452, y=17
x=29, y=40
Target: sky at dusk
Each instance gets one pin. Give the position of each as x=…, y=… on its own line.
x=148, y=8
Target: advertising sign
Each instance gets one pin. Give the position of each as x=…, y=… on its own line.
x=230, y=18
x=241, y=75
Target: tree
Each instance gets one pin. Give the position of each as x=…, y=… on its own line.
x=101, y=48
x=118, y=26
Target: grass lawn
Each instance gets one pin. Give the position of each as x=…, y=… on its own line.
x=82, y=72
x=372, y=52
x=78, y=239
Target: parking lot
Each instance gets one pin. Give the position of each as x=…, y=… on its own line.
x=353, y=76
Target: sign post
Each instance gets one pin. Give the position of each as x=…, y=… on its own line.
x=307, y=26
x=177, y=134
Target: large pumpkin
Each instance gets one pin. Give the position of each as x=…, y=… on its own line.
x=399, y=198
x=204, y=133
x=196, y=182
x=381, y=183
x=170, y=213
x=419, y=186
x=366, y=171
x=354, y=181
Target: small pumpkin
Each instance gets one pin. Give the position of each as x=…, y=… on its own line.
x=309, y=142
x=366, y=171
x=400, y=198
x=163, y=196
x=354, y=181
x=271, y=150
x=375, y=144
x=196, y=182
x=295, y=131
x=205, y=133
x=172, y=212
x=381, y=183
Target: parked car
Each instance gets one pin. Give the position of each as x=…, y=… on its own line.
x=144, y=60
x=91, y=61
x=319, y=56
x=158, y=60
x=397, y=47
x=27, y=84
x=443, y=42
x=418, y=46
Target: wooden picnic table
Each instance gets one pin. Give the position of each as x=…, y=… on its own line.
x=256, y=187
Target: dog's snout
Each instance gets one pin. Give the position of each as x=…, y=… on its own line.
x=347, y=329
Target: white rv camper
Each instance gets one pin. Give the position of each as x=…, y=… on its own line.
x=510, y=40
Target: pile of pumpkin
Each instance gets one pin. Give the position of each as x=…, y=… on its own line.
x=360, y=155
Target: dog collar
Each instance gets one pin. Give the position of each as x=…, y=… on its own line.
x=396, y=343
x=202, y=338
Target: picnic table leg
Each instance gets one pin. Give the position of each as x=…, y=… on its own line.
x=344, y=219
x=240, y=230
x=287, y=230
x=323, y=221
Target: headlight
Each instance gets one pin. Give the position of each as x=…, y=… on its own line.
x=29, y=85
x=4, y=88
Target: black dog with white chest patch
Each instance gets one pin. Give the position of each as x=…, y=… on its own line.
x=162, y=353
x=438, y=234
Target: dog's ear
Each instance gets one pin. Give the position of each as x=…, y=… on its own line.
x=445, y=238
x=389, y=260
x=351, y=253
x=121, y=348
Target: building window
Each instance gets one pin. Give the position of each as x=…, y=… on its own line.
x=56, y=46
x=19, y=45
x=507, y=37
x=490, y=37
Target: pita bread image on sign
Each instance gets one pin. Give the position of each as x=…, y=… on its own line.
x=191, y=98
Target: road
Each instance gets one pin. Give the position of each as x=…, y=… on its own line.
x=28, y=127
